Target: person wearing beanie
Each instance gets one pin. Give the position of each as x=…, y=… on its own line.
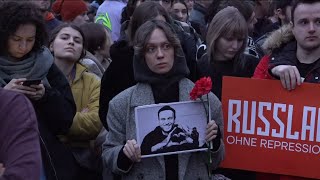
x=74, y=11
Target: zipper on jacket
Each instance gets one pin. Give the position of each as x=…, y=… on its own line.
x=50, y=159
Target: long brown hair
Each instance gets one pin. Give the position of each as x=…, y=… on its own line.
x=226, y=23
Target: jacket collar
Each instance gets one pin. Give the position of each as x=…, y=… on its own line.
x=80, y=69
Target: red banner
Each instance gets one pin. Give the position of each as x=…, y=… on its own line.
x=270, y=129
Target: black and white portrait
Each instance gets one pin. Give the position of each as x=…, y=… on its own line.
x=171, y=128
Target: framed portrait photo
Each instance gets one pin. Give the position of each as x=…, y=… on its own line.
x=171, y=128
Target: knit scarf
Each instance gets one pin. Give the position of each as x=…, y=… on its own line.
x=35, y=66
x=143, y=74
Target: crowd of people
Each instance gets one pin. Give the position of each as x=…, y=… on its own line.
x=72, y=73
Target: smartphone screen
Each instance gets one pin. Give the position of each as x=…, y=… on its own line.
x=31, y=82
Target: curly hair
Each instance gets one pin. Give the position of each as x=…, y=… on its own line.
x=13, y=14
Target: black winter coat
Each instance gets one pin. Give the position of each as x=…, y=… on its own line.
x=216, y=70
x=117, y=77
x=286, y=55
x=55, y=112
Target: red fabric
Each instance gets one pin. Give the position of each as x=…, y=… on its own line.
x=49, y=16
x=265, y=176
x=261, y=71
x=69, y=9
x=202, y=86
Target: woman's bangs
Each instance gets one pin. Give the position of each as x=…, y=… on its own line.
x=236, y=29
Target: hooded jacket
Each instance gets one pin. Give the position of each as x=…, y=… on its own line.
x=273, y=42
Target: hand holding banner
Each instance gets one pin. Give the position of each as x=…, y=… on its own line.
x=269, y=129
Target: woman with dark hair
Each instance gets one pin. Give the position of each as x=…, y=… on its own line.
x=179, y=11
x=67, y=44
x=160, y=70
x=129, y=9
x=27, y=67
x=98, y=42
x=246, y=9
x=145, y=12
x=121, y=53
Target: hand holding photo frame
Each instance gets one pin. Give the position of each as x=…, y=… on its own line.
x=171, y=128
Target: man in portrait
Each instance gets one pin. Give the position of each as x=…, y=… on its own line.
x=169, y=136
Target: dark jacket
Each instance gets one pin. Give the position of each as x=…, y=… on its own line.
x=177, y=135
x=287, y=56
x=273, y=42
x=216, y=70
x=118, y=76
x=188, y=44
x=19, y=137
x=55, y=112
x=197, y=19
x=261, y=27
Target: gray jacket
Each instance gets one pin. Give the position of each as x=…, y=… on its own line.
x=122, y=128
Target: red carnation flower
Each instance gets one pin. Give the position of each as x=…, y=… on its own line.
x=202, y=86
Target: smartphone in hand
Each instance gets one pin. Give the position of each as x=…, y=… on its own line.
x=30, y=82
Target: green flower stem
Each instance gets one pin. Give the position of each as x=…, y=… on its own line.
x=209, y=144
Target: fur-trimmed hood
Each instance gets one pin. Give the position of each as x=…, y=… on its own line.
x=277, y=38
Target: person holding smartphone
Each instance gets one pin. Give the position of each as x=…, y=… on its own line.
x=26, y=66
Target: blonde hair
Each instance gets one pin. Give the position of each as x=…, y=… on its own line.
x=226, y=23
